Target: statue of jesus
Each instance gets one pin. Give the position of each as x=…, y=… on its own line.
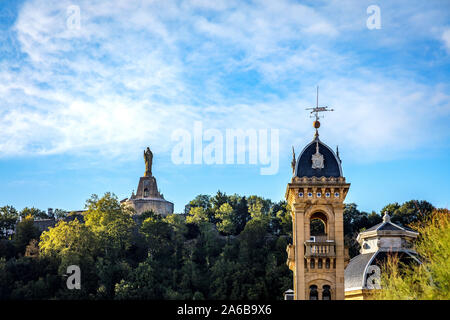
x=148, y=157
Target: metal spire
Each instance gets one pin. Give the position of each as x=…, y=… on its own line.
x=315, y=113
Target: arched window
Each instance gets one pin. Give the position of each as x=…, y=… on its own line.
x=319, y=264
x=145, y=193
x=313, y=293
x=318, y=224
x=327, y=263
x=326, y=293
x=316, y=227
x=312, y=264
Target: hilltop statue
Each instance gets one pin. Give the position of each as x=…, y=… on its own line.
x=148, y=197
x=148, y=157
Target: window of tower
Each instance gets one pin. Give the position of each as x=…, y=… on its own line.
x=146, y=193
x=313, y=293
x=318, y=225
x=326, y=293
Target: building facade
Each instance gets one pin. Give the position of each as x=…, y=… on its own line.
x=316, y=194
x=362, y=274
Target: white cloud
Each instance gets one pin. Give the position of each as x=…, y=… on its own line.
x=135, y=72
x=446, y=39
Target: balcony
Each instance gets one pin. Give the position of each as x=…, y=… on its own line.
x=320, y=248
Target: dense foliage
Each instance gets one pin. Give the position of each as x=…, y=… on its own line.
x=224, y=247
x=429, y=280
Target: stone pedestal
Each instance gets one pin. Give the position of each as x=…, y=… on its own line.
x=148, y=198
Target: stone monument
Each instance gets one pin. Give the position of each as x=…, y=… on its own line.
x=148, y=197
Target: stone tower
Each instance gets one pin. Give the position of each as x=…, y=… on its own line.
x=316, y=194
x=148, y=197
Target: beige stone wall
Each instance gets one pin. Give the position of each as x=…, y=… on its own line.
x=303, y=208
x=158, y=206
x=359, y=294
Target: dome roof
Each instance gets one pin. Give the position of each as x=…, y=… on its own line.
x=377, y=243
x=331, y=163
x=357, y=272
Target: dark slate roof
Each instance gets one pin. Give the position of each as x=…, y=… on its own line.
x=390, y=226
x=332, y=165
x=355, y=269
x=355, y=272
x=385, y=226
x=375, y=227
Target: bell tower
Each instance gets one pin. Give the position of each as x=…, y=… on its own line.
x=316, y=194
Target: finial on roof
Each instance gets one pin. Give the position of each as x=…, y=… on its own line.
x=293, y=160
x=316, y=125
x=337, y=154
x=386, y=217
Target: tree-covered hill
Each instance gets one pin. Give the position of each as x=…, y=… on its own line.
x=224, y=247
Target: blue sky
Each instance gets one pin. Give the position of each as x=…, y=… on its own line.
x=79, y=105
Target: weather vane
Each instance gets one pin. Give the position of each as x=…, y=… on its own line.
x=315, y=113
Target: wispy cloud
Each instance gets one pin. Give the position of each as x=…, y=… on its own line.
x=136, y=71
x=446, y=39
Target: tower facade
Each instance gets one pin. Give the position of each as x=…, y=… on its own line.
x=316, y=194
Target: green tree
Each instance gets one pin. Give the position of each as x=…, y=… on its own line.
x=241, y=215
x=158, y=234
x=281, y=219
x=259, y=207
x=25, y=232
x=30, y=279
x=59, y=213
x=32, y=249
x=356, y=221
x=148, y=214
x=202, y=200
x=110, y=273
x=254, y=250
x=429, y=280
x=390, y=208
x=223, y=275
x=225, y=216
x=8, y=219
x=70, y=241
x=142, y=283
x=197, y=215
x=178, y=224
x=219, y=199
x=409, y=212
x=33, y=212
x=412, y=211
x=5, y=280
x=110, y=222
x=7, y=248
